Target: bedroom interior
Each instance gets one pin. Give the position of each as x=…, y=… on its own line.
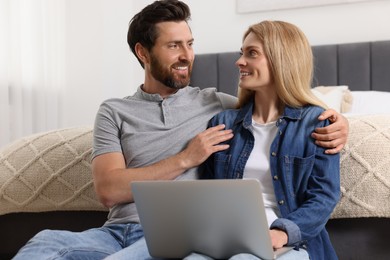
x=46, y=181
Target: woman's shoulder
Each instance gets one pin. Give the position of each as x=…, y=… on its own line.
x=226, y=116
x=227, y=113
x=311, y=113
x=312, y=110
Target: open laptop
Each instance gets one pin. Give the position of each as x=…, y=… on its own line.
x=217, y=218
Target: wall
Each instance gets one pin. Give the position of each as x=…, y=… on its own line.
x=365, y=21
x=100, y=65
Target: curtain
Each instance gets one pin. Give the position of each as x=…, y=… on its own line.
x=32, y=66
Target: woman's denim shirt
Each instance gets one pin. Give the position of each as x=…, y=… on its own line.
x=306, y=180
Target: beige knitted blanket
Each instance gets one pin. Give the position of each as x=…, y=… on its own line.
x=52, y=171
x=365, y=169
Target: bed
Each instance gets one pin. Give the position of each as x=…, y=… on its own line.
x=360, y=224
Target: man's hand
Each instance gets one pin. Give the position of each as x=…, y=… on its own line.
x=205, y=144
x=333, y=136
x=279, y=238
x=112, y=177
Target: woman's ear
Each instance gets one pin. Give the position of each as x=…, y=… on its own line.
x=142, y=53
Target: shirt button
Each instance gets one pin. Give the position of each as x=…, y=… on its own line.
x=273, y=154
x=276, y=177
x=281, y=202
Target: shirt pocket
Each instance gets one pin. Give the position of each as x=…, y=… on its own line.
x=221, y=166
x=298, y=171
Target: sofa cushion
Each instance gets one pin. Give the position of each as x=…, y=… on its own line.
x=365, y=164
x=48, y=171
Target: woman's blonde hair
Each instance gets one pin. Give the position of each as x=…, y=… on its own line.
x=290, y=62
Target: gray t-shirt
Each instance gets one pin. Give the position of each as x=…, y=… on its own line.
x=147, y=128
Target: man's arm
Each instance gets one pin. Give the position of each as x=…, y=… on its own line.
x=333, y=136
x=112, y=179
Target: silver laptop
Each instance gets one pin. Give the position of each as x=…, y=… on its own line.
x=217, y=218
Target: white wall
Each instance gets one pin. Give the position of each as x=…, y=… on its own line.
x=218, y=27
x=100, y=64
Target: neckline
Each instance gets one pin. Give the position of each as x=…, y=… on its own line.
x=271, y=123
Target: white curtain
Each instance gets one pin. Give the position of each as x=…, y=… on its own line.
x=32, y=66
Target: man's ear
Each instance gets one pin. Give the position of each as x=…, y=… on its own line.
x=142, y=53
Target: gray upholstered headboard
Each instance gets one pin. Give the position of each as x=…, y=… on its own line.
x=361, y=66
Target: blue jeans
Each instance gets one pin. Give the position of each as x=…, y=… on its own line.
x=111, y=242
x=139, y=250
x=290, y=255
x=96, y=243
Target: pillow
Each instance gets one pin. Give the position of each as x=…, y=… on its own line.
x=370, y=102
x=338, y=98
x=48, y=171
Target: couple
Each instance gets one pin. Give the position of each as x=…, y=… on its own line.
x=160, y=133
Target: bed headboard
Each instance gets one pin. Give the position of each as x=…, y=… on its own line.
x=361, y=66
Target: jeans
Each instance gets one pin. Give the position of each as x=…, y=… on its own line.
x=96, y=243
x=290, y=255
x=111, y=242
x=139, y=250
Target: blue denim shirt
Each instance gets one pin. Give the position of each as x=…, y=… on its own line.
x=306, y=180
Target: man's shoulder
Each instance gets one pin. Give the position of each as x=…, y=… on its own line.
x=199, y=90
x=227, y=101
x=204, y=94
x=115, y=102
x=113, y=106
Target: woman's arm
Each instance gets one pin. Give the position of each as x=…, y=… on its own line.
x=334, y=136
x=316, y=203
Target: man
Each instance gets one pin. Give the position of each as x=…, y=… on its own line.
x=156, y=134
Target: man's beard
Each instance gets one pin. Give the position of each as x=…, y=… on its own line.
x=168, y=78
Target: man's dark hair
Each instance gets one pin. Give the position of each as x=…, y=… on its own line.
x=142, y=27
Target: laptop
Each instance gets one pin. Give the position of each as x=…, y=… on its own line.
x=217, y=218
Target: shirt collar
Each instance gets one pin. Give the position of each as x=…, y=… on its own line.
x=245, y=114
x=157, y=97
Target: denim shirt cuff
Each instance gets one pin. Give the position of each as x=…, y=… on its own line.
x=292, y=229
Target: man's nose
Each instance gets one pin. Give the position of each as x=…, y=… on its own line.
x=186, y=54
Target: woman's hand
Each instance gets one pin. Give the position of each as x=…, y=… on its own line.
x=279, y=238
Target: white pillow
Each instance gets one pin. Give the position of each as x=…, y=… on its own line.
x=370, y=102
x=335, y=97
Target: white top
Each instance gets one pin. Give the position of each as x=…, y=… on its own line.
x=258, y=165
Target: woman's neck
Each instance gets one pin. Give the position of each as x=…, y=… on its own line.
x=267, y=108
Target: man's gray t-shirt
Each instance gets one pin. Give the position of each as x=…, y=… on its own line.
x=147, y=128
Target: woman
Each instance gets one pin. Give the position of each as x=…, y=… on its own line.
x=272, y=125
